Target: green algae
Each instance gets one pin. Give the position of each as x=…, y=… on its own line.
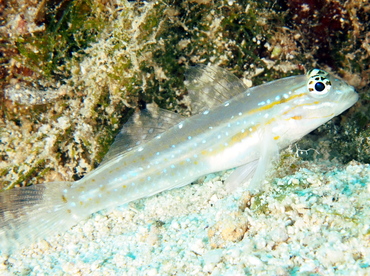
x=70, y=28
x=24, y=177
x=259, y=205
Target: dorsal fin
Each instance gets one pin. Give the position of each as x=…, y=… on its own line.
x=210, y=86
x=143, y=126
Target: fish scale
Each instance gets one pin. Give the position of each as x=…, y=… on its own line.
x=157, y=150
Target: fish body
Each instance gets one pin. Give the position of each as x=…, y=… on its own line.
x=234, y=127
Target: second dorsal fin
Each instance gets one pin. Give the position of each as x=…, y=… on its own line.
x=143, y=126
x=210, y=86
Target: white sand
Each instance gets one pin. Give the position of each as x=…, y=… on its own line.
x=313, y=222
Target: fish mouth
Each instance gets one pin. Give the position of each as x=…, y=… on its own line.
x=348, y=99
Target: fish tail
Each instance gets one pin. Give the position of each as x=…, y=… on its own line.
x=31, y=213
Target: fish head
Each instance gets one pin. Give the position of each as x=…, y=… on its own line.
x=333, y=95
x=314, y=99
x=319, y=97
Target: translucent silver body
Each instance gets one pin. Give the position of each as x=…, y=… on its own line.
x=229, y=131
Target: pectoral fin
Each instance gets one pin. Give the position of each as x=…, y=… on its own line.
x=240, y=176
x=257, y=169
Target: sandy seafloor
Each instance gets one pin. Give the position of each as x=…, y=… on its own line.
x=313, y=222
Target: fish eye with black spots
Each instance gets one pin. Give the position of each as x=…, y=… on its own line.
x=318, y=83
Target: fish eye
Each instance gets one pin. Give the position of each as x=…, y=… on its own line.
x=318, y=84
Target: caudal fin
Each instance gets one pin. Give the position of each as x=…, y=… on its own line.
x=32, y=213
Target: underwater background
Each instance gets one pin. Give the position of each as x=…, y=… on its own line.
x=72, y=72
